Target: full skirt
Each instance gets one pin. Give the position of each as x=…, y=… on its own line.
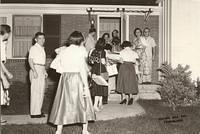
x=70, y=106
x=127, y=81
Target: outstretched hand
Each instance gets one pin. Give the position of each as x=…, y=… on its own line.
x=9, y=75
x=86, y=92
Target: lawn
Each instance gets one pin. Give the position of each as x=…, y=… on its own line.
x=150, y=123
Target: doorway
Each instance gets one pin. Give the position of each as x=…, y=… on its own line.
x=51, y=28
x=108, y=24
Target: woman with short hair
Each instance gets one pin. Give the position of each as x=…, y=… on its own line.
x=140, y=47
x=127, y=83
x=72, y=103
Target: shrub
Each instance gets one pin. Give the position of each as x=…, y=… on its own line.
x=177, y=87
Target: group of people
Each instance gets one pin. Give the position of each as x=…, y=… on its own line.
x=79, y=61
x=145, y=46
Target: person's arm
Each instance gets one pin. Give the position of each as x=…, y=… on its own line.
x=32, y=53
x=153, y=49
x=31, y=64
x=153, y=53
x=103, y=58
x=5, y=71
x=4, y=80
x=84, y=77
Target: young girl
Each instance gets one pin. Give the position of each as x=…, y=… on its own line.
x=98, y=61
x=72, y=102
x=127, y=83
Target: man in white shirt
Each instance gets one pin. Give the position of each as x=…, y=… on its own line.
x=3, y=50
x=37, y=60
x=150, y=52
x=5, y=31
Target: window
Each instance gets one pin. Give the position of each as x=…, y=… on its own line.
x=24, y=29
x=3, y=20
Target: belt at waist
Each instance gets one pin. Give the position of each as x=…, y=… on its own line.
x=126, y=62
x=39, y=64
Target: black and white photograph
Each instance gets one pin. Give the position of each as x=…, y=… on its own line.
x=100, y=66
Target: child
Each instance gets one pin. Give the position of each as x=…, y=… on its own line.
x=127, y=83
x=98, y=61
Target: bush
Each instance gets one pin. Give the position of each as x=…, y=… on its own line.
x=177, y=87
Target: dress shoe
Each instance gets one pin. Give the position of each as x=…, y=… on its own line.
x=130, y=102
x=123, y=101
x=38, y=116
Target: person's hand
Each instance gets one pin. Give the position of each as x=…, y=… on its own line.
x=121, y=60
x=35, y=74
x=94, y=75
x=6, y=84
x=89, y=73
x=86, y=92
x=46, y=74
x=9, y=75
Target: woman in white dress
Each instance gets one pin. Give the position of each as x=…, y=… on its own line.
x=151, y=52
x=72, y=103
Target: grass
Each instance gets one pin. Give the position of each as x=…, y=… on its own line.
x=146, y=124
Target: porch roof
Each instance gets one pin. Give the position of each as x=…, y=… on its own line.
x=90, y=2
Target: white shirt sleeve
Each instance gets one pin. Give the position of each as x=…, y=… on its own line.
x=32, y=53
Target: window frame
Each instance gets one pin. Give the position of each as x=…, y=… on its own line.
x=25, y=15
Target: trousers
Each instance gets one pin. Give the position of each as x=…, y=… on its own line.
x=37, y=90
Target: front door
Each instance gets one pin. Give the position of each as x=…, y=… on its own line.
x=108, y=24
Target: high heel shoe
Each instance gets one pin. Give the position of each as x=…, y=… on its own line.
x=130, y=102
x=123, y=101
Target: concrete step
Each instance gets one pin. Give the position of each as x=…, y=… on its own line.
x=147, y=92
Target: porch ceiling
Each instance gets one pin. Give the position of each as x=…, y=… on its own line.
x=90, y=2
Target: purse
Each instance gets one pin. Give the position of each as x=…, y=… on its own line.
x=112, y=70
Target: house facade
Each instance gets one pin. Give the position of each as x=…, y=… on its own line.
x=57, y=20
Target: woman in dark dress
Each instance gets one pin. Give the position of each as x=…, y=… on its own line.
x=127, y=83
x=98, y=61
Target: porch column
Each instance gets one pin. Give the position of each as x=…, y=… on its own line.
x=165, y=27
